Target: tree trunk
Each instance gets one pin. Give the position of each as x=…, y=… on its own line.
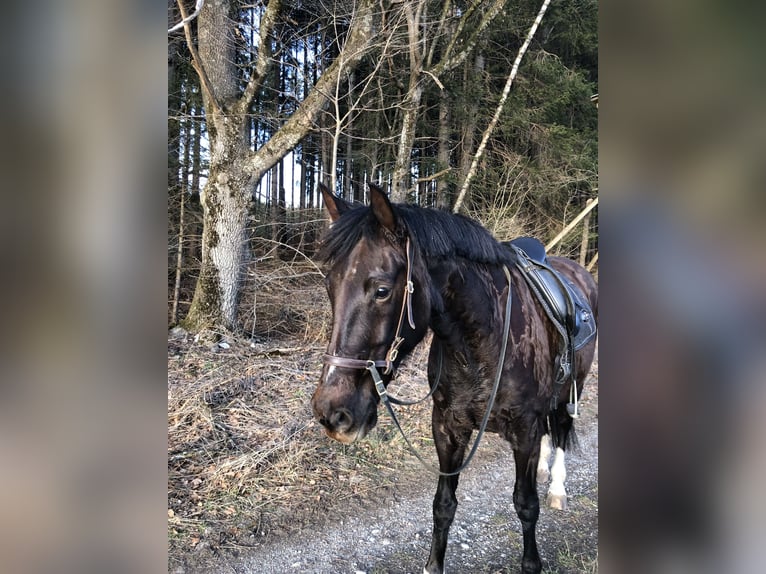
x=224, y=208
x=411, y=104
x=274, y=194
x=194, y=226
x=179, y=260
x=225, y=197
x=234, y=169
x=325, y=159
x=585, y=239
x=443, y=200
x=348, y=167
x=281, y=222
x=471, y=78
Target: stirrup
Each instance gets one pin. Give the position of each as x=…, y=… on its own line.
x=572, y=407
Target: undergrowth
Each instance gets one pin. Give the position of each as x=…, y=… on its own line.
x=245, y=456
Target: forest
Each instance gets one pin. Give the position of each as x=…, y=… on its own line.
x=267, y=99
x=429, y=101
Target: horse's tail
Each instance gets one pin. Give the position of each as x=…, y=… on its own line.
x=562, y=430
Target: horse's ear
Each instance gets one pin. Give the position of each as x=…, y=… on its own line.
x=334, y=204
x=382, y=208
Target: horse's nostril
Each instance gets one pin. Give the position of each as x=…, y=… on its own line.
x=341, y=420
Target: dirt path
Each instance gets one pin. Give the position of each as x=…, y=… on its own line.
x=393, y=536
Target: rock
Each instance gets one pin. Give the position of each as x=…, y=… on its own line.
x=178, y=333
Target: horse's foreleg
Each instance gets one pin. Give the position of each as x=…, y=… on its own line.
x=450, y=446
x=445, y=505
x=527, y=505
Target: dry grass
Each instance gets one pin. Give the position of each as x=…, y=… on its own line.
x=245, y=456
x=284, y=298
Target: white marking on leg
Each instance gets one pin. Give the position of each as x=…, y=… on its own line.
x=330, y=371
x=543, y=471
x=557, y=495
x=558, y=474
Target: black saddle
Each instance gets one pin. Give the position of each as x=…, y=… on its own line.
x=533, y=248
x=564, y=303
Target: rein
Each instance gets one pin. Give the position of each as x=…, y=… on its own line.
x=498, y=375
x=373, y=365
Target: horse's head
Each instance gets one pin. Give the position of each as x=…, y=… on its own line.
x=371, y=261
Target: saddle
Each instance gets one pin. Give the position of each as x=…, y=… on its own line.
x=564, y=303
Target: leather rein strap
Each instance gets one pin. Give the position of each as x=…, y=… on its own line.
x=498, y=375
x=372, y=365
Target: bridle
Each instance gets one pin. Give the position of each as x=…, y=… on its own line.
x=393, y=351
x=372, y=365
x=387, y=364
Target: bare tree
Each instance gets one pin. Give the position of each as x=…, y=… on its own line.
x=461, y=39
x=499, y=109
x=235, y=169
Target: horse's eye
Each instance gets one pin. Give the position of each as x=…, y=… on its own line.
x=382, y=293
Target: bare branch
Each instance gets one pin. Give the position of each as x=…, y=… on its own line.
x=458, y=31
x=446, y=9
x=187, y=19
x=435, y=79
x=419, y=60
x=196, y=62
x=593, y=262
x=265, y=60
x=451, y=60
x=590, y=204
x=437, y=175
x=358, y=42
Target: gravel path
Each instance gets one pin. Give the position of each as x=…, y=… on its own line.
x=394, y=536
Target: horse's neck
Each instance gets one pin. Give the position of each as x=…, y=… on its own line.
x=470, y=301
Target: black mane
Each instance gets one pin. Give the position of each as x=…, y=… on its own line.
x=436, y=234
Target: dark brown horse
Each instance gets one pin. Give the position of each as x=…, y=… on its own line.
x=397, y=270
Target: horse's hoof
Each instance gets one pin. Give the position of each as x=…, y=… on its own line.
x=557, y=501
x=543, y=475
x=534, y=566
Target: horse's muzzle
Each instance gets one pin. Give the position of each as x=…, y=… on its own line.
x=344, y=422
